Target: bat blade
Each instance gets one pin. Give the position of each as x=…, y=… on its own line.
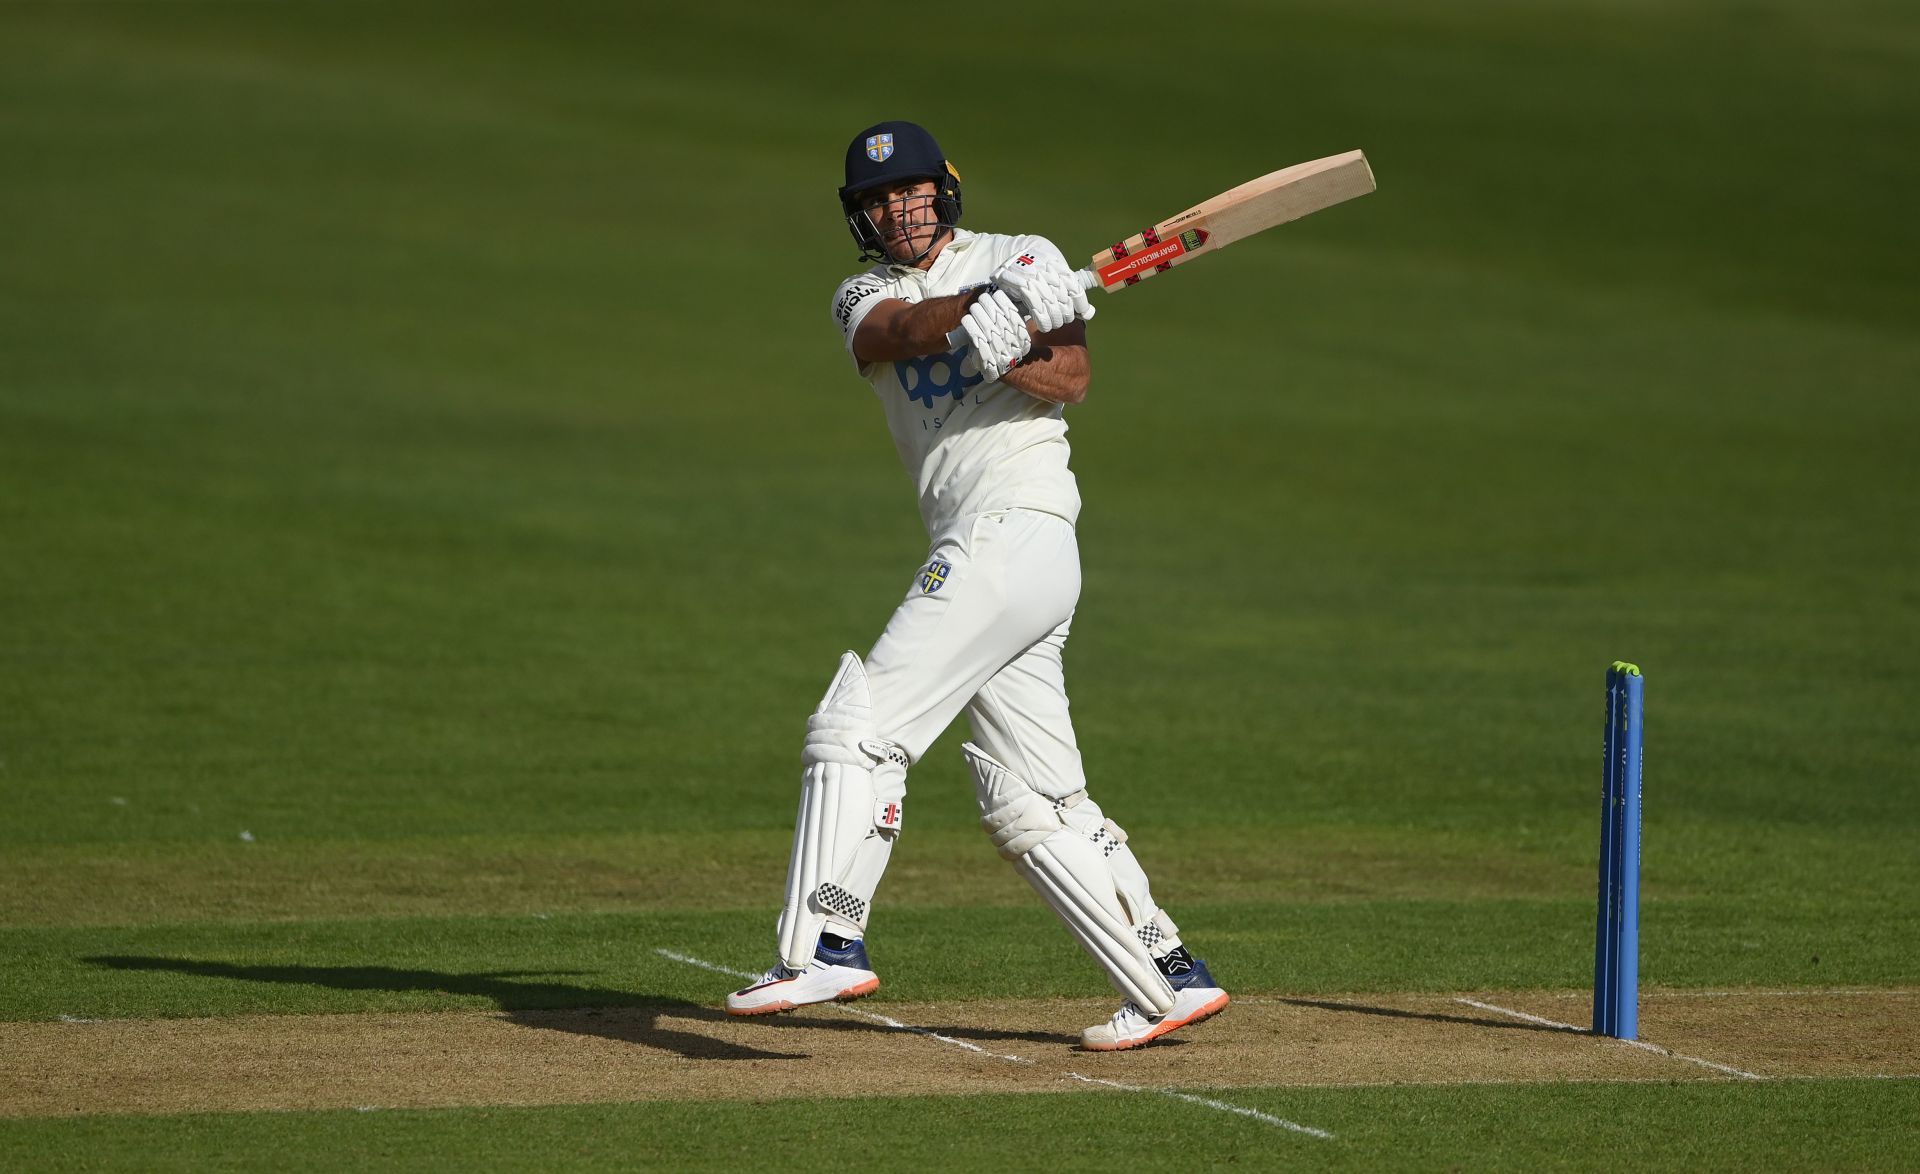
x=1253, y=207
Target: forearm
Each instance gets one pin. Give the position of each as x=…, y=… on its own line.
x=909, y=330
x=1059, y=373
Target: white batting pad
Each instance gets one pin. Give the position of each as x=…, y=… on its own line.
x=1072, y=871
x=853, y=789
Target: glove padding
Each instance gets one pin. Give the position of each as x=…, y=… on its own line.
x=1043, y=286
x=999, y=333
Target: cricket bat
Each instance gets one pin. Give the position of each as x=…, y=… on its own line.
x=1233, y=215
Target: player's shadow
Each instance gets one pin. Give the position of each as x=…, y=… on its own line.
x=1430, y=1016
x=546, y=1004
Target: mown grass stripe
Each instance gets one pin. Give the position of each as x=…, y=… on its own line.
x=1223, y=1106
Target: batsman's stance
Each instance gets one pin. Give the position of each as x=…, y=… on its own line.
x=985, y=620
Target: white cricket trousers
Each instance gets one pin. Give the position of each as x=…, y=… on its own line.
x=982, y=629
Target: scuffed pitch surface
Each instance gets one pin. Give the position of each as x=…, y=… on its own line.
x=682, y=1051
x=1771, y=1033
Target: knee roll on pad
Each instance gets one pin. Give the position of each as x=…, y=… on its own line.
x=1077, y=861
x=853, y=788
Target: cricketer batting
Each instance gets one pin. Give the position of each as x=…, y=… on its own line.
x=982, y=628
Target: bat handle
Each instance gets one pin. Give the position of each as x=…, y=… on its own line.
x=957, y=337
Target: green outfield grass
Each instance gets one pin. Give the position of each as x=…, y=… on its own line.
x=1830, y=1125
x=432, y=495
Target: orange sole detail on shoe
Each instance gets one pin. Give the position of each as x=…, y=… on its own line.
x=769, y=1009
x=858, y=990
x=1207, y=1011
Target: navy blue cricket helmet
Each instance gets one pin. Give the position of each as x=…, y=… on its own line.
x=887, y=153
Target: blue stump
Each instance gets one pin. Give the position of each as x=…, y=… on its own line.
x=1616, y=948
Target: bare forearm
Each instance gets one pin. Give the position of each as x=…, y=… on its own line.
x=903, y=330
x=1057, y=369
x=1058, y=373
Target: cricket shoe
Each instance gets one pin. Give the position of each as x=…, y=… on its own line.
x=1195, y=997
x=836, y=973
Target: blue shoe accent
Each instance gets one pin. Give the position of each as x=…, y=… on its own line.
x=1198, y=976
x=854, y=955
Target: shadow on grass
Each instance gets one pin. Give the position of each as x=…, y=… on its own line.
x=559, y=1006
x=545, y=1005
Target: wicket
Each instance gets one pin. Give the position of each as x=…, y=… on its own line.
x=1616, y=948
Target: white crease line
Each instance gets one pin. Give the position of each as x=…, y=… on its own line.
x=1223, y=1106
x=945, y=1039
x=958, y=1043
x=1633, y=1043
x=1553, y=1023
x=706, y=965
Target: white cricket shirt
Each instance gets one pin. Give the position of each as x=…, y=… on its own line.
x=971, y=446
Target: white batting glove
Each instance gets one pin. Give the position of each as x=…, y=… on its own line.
x=1082, y=307
x=999, y=333
x=1045, y=288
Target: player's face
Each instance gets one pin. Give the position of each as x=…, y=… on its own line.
x=904, y=216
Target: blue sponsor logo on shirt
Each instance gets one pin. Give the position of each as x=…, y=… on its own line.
x=931, y=377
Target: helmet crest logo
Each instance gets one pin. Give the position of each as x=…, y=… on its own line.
x=880, y=147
